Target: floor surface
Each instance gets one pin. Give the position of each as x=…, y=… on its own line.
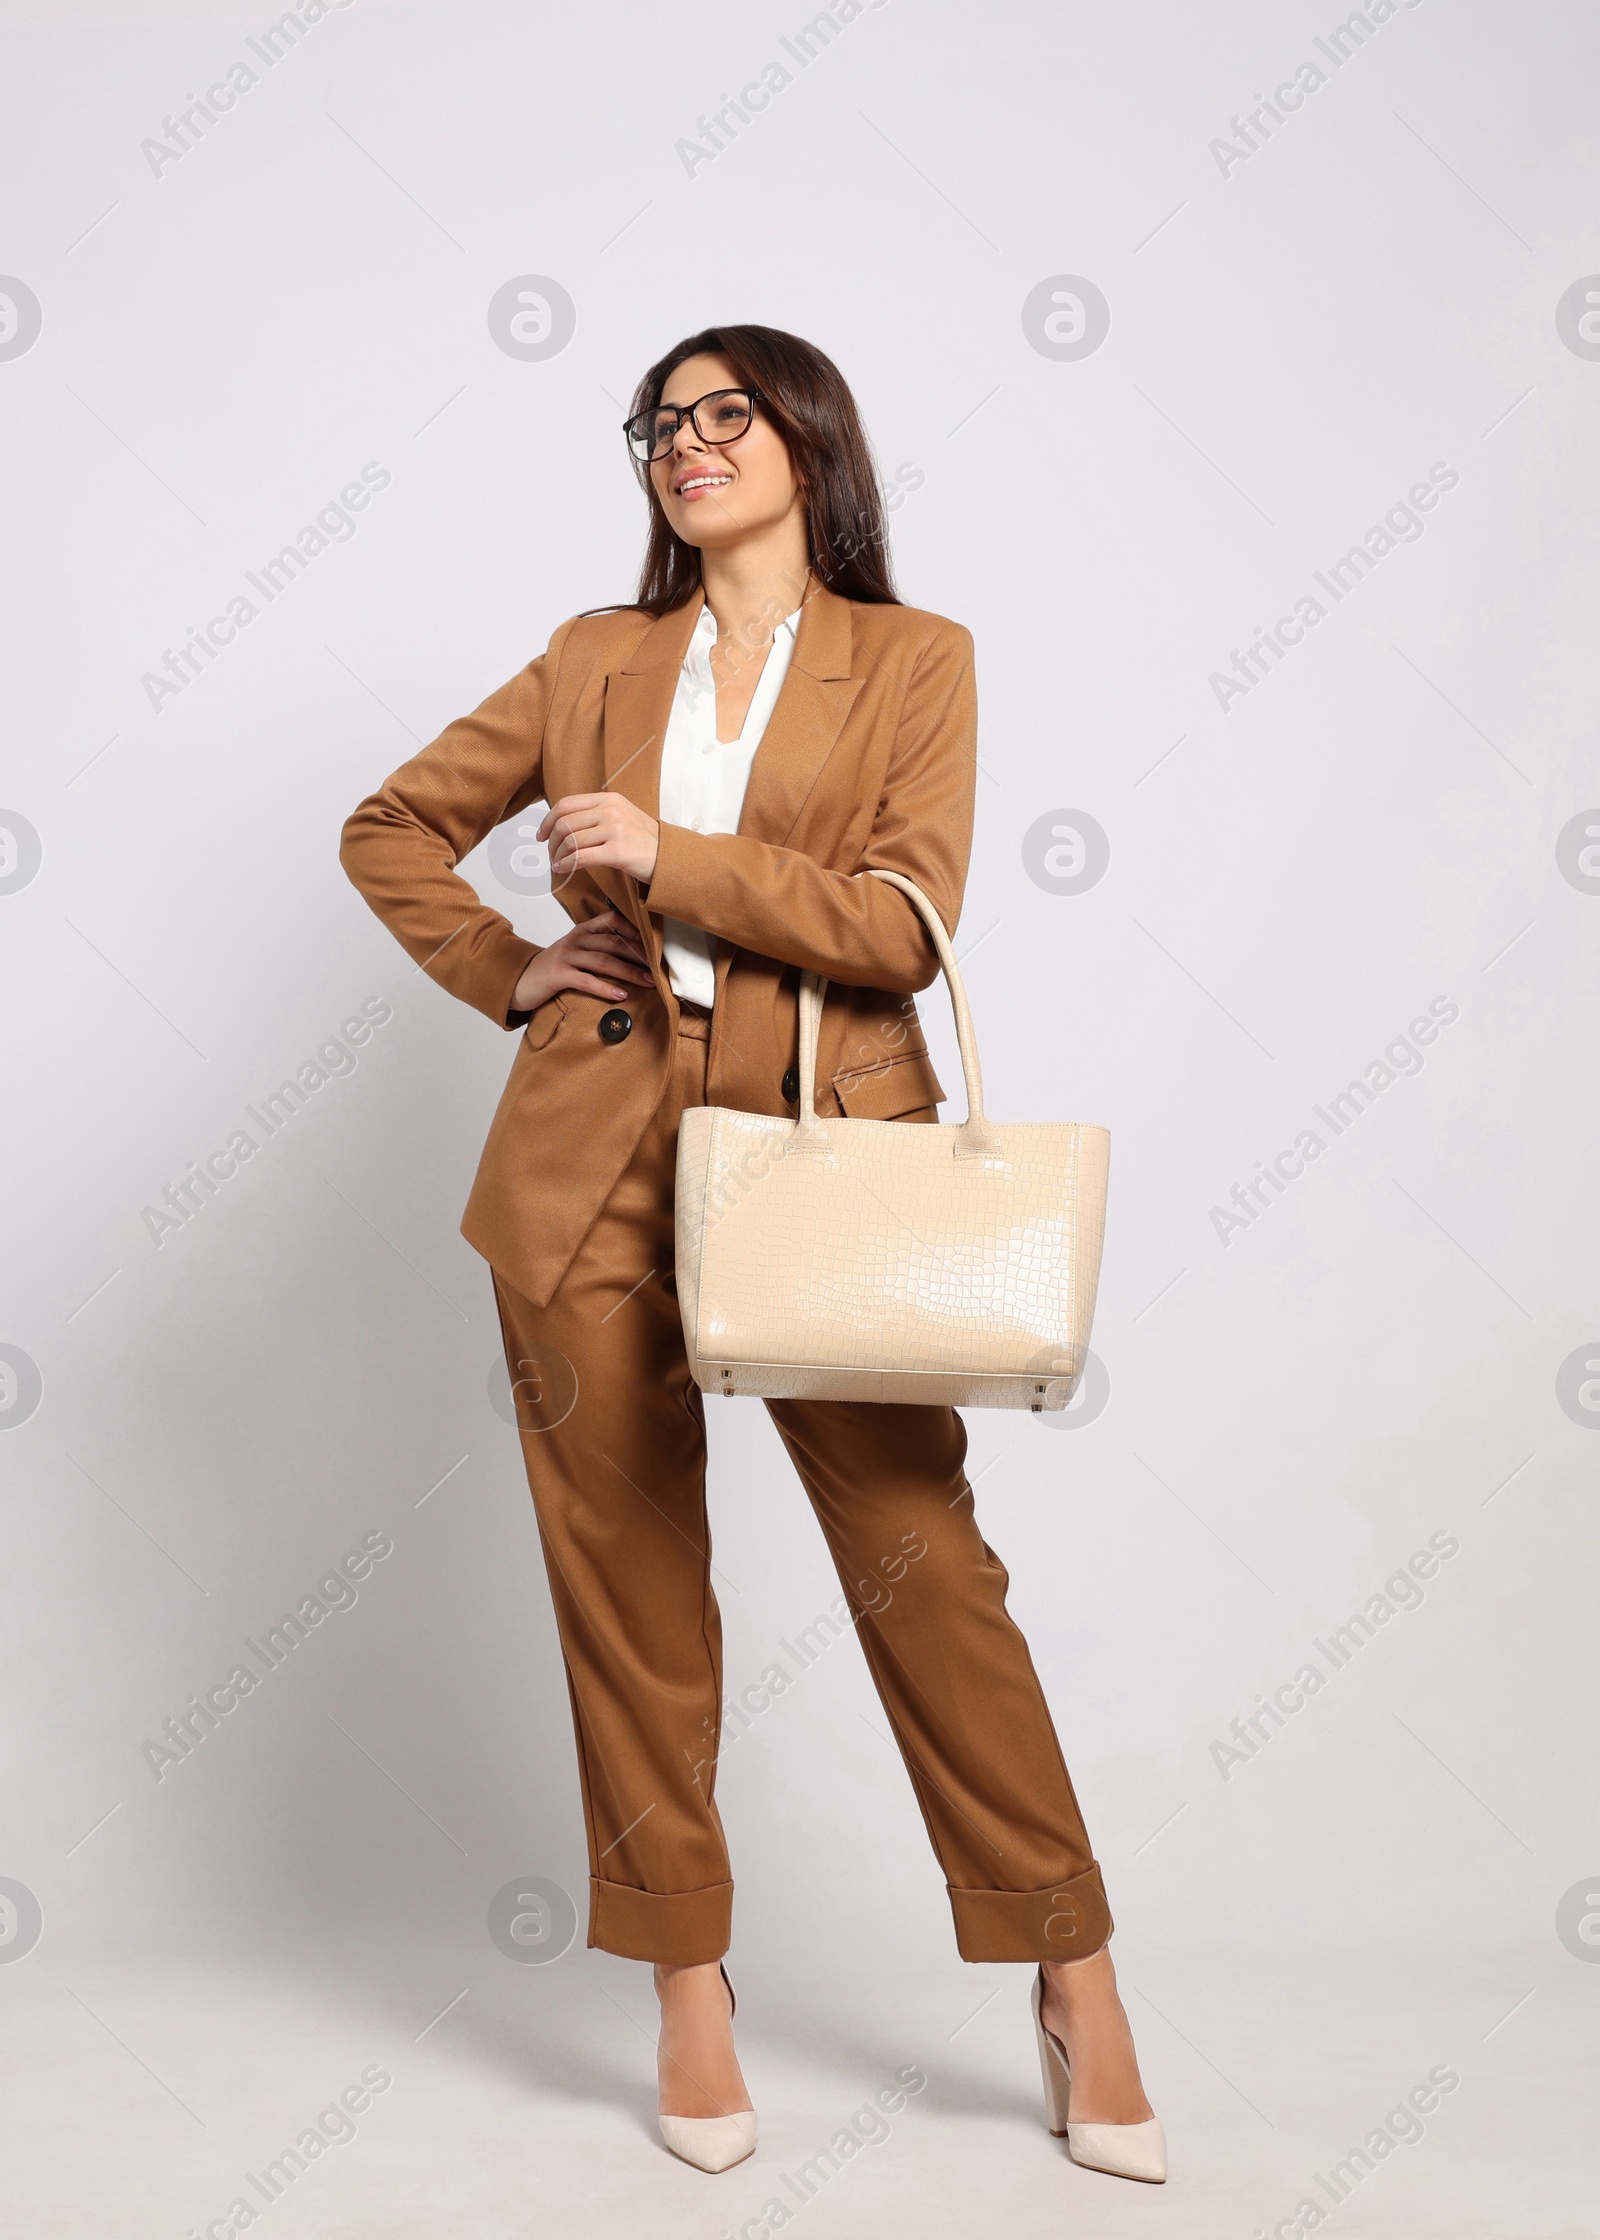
x=161, y=2100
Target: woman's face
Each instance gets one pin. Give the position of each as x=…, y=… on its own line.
x=716, y=495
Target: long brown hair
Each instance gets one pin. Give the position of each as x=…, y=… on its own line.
x=806, y=398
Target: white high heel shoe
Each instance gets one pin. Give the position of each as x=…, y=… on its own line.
x=1125, y=2150
x=712, y=2142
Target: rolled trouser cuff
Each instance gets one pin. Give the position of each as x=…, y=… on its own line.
x=681, y=1928
x=1066, y=1920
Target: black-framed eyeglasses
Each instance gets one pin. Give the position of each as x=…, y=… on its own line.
x=720, y=416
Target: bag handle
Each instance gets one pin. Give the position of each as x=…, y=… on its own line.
x=975, y=1138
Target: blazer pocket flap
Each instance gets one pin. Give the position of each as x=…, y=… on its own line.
x=886, y=1090
x=544, y=1023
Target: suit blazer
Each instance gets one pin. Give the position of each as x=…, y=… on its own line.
x=868, y=758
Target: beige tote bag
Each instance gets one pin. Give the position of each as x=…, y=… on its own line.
x=824, y=1259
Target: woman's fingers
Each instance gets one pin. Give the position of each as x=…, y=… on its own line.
x=575, y=805
x=568, y=854
x=599, y=829
x=599, y=947
x=601, y=951
x=591, y=961
x=614, y=932
x=632, y=950
x=610, y=937
x=631, y=972
x=568, y=817
x=586, y=984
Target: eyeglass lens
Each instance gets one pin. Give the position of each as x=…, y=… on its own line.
x=720, y=418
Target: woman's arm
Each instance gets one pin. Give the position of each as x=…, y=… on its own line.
x=401, y=846
x=857, y=931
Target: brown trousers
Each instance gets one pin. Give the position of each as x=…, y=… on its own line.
x=613, y=1433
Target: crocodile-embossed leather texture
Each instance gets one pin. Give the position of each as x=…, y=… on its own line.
x=887, y=1260
x=880, y=1260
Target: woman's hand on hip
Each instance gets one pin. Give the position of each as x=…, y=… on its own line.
x=600, y=830
x=597, y=958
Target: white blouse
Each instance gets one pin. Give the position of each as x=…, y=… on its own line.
x=703, y=778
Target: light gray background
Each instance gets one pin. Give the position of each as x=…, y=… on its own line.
x=1294, y=342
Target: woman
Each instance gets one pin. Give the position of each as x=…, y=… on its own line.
x=702, y=876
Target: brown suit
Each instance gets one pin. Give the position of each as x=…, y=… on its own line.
x=867, y=759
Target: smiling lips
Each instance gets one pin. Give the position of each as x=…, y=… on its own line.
x=696, y=485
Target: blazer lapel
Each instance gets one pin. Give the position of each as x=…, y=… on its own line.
x=638, y=707
x=639, y=703
x=816, y=696
x=802, y=731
